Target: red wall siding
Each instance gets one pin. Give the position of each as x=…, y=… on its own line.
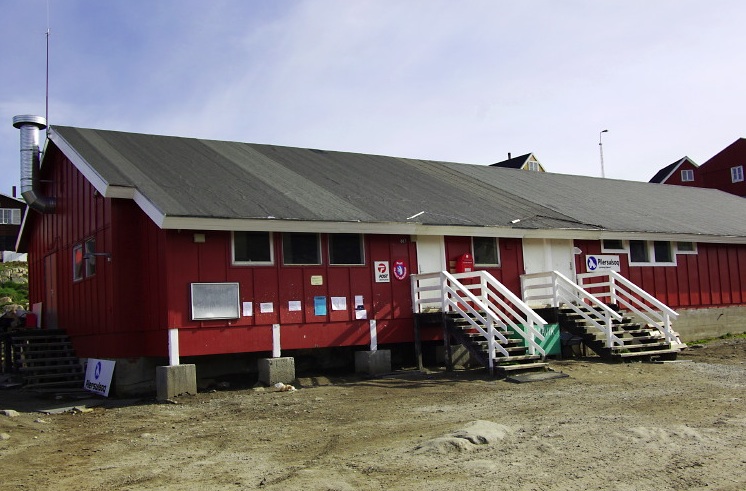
x=715, y=173
x=388, y=303
x=715, y=276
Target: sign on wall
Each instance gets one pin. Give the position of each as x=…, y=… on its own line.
x=601, y=262
x=382, y=272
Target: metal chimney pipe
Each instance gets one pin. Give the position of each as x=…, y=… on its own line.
x=30, y=126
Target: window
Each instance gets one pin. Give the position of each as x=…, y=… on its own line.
x=10, y=216
x=638, y=252
x=686, y=248
x=346, y=249
x=252, y=248
x=90, y=257
x=652, y=253
x=613, y=245
x=84, y=260
x=300, y=248
x=78, y=262
x=687, y=175
x=736, y=173
x=533, y=166
x=485, y=251
x=662, y=252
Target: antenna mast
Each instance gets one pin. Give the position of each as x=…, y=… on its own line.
x=46, y=108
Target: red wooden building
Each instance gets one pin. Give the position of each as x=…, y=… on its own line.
x=725, y=171
x=244, y=248
x=683, y=172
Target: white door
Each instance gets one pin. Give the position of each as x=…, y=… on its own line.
x=431, y=254
x=544, y=255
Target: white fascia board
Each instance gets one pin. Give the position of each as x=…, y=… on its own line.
x=99, y=183
x=149, y=209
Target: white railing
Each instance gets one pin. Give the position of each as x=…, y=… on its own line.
x=620, y=291
x=488, y=305
x=554, y=289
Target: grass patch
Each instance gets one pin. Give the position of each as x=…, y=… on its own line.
x=727, y=335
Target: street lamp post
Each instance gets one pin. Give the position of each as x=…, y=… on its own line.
x=601, y=151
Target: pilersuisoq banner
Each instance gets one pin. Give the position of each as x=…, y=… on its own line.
x=599, y=262
x=98, y=375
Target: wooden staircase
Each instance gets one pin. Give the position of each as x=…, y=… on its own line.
x=639, y=341
x=518, y=359
x=44, y=358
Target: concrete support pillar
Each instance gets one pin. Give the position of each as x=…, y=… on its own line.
x=175, y=380
x=274, y=370
x=373, y=362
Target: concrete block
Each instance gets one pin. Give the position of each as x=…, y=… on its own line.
x=175, y=380
x=373, y=362
x=274, y=370
x=134, y=376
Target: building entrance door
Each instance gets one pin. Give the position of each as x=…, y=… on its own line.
x=49, y=305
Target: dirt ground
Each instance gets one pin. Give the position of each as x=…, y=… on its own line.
x=623, y=427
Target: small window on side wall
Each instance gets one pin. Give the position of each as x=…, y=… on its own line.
x=736, y=173
x=90, y=257
x=301, y=249
x=687, y=175
x=346, y=249
x=252, y=248
x=78, y=266
x=485, y=251
x=612, y=245
x=686, y=248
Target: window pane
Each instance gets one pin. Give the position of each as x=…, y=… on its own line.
x=485, y=251
x=77, y=262
x=346, y=249
x=662, y=252
x=638, y=251
x=614, y=245
x=301, y=248
x=252, y=247
x=90, y=260
x=685, y=246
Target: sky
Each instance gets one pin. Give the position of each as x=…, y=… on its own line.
x=467, y=81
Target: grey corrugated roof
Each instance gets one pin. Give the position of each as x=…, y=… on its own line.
x=186, y=177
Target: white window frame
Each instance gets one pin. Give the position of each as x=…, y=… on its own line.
x=650, y=245
x=692, y=252
x=736, y=173
x=253, y=263
x=612, y=249
x=10, y=216
x=687, y=175
x=78, y=274
x=497, y=253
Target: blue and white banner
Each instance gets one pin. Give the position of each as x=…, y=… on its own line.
x=98, y=375
x=595, y=263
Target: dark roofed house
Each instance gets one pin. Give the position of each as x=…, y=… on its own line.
x=11, y=214
x=683, y=172
x=151, y=250
x=523, y=162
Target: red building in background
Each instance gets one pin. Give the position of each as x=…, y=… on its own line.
x=724, y=171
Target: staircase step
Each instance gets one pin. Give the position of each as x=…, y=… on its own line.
x=641, y=346
x=647, y=353
x=524, y=366
x=508, y=359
